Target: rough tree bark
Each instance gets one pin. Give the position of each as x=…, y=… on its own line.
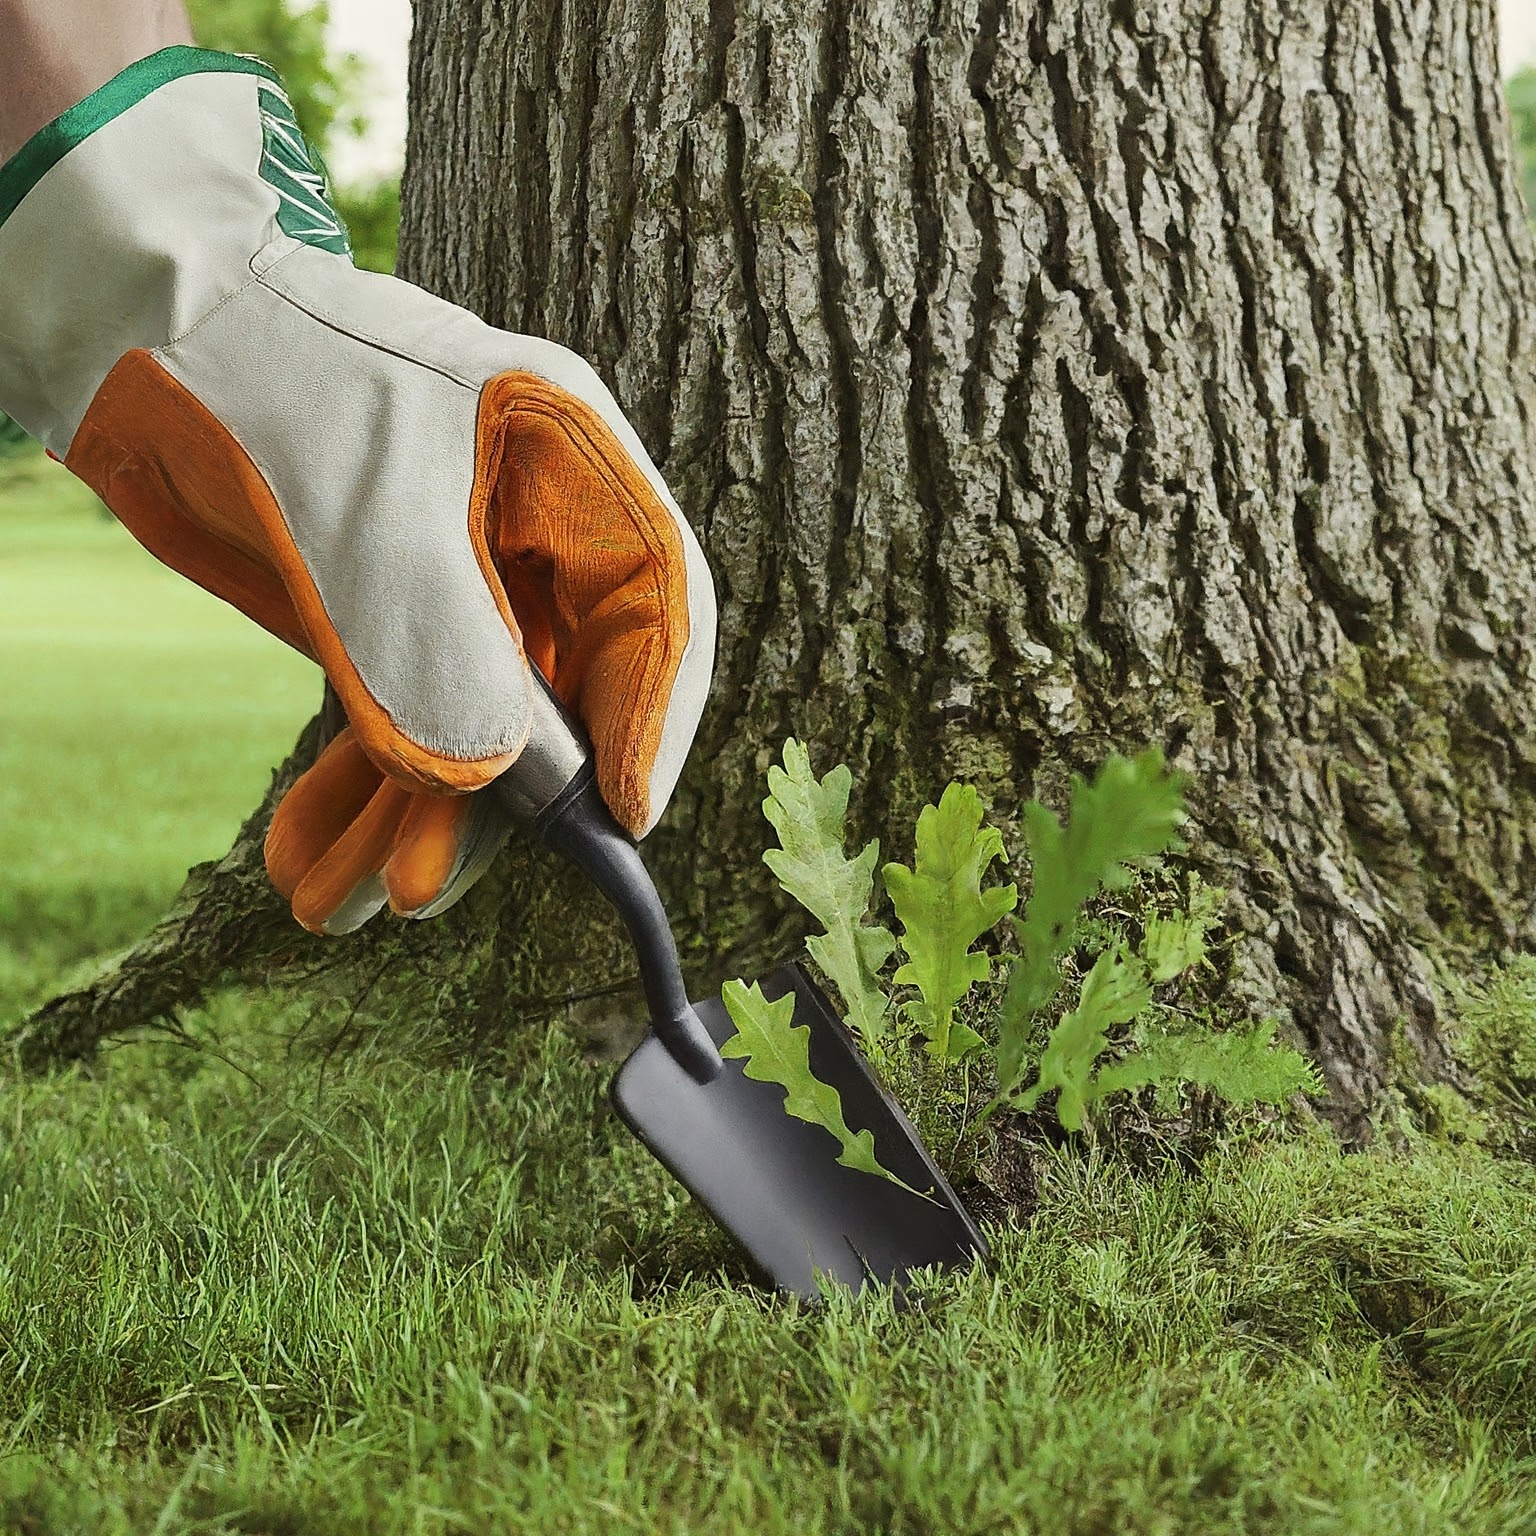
x=1042, y=379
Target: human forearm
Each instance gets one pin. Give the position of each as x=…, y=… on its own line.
x=54, y=53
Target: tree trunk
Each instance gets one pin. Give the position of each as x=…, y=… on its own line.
x=1044, y=380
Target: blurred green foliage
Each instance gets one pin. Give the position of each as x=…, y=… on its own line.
x=371, y=212
x=320, y=84
x=324, y=88
x=1520, y=93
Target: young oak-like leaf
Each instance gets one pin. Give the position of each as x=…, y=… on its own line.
x=944, y=910
x=1129, y=815
x=812, y=865
x=1113, y=992
x=776, y=1050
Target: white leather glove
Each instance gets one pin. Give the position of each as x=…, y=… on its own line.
x=413, y=498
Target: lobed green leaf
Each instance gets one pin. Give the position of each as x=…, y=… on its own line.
x=943, y=910
x=776, y=1050
x=1242, y=1067
x=1128, y=816
x=812, y=865
x=1114, y=992
x=1176, y=943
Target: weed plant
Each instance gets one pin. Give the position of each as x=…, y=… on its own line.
x=956, y=1053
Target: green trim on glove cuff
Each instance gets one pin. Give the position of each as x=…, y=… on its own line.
x=49, y=145
x=292, y=167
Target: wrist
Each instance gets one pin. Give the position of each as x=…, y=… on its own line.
x=52, y=56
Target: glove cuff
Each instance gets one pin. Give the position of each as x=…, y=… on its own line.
x=131, y=215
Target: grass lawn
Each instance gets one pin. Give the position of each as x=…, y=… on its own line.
x=242, y=1294
x=139, y=721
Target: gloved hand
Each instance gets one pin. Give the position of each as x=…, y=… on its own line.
x=346, y=838
x=409, y=496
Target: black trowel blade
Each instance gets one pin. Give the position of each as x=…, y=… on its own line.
x=774, y=1182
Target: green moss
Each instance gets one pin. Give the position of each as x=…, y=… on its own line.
x=1458, y=891
x=1447, y=1115
x=775, y=197
x=982, y=761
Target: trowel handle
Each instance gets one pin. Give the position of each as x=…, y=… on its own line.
x=551, y=790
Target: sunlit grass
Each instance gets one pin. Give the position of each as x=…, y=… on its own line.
x=407, y=1300
x=139, y=721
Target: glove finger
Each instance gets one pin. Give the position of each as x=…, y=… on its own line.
x=360, y=904
x=611, y=594
x=317, y=810
x=345, y=887
x=444, y=846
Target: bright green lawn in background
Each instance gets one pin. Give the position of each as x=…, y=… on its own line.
x=238, y=1294
x=140, y=720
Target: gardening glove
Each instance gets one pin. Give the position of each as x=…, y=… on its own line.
x=414, y=499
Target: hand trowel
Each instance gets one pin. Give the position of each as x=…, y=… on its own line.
x=773, y=1182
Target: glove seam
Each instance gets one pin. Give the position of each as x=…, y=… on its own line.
x=251, y=282
x=356, y=333
x=159, y=352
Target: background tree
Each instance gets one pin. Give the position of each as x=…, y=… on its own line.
x=1042, y=379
